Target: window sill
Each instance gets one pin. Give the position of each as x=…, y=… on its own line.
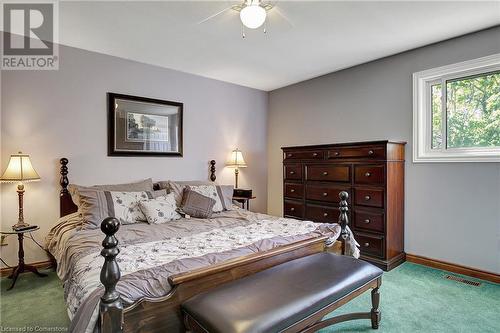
x=492, y=156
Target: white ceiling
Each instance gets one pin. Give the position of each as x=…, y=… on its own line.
x=325, y=36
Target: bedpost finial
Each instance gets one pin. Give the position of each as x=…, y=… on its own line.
x=110, y=307
x=110, y=225
x=64, y=182
x=343, y=195
x=213, y=177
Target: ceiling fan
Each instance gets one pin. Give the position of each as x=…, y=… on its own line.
x=253, y=14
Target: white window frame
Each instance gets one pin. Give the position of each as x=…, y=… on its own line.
x=422, y=112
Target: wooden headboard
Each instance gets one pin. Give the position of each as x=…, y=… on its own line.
x=66, y=204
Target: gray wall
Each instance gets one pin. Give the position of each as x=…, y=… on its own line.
x=452, y=210
x=50, y=114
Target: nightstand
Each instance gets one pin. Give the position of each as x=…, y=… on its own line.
x=244, y=201
x=21, y=267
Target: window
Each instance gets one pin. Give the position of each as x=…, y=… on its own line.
x=456, y=112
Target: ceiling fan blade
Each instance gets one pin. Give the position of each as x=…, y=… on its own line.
x=280, y=13
x=214, y=15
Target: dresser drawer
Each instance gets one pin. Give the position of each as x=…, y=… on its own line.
x=294, y=209
x=305, y=155
x=322, y=214
x=294, y=190
x=326, y=193
x=369, y=197
x=375, y=152
x=332, y=173
x=370, y=244
x=368, y=220
x=293, y=171
x=369, y=174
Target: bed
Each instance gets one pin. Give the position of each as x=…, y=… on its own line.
x=160, y=266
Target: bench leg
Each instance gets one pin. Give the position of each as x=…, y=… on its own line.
x=375, y=313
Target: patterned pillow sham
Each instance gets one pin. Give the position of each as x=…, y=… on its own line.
x=177, y=187
x=196, y=204
x=143, y=185
x=160, y=210
x=96, y=205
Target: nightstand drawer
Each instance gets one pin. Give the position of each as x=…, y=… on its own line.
x=294, y=190
x=365, y=219
x=322, y=214
x=293, y=172
x=369, y=197
x=340, y=173
x=292, y=208
x=369, y=174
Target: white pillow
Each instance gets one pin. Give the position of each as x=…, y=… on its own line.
x=211, y=192
x=160, y=210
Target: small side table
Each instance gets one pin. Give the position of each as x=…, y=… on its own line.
x=244, y=201
x=21, y=267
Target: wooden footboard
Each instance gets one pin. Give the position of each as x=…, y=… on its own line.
x=164, y=314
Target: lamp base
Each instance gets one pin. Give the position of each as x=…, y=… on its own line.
x=20, y=221
x=20, y=225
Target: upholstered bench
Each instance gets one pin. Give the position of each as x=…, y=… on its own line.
x=291, y=297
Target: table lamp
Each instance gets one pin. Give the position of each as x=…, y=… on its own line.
x=19, y=170
x=236, y=161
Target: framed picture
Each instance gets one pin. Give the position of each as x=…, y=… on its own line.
x=143, y=126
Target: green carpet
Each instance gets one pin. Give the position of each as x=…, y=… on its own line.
x=414, y=298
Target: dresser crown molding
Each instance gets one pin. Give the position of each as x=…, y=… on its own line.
x=373, y=175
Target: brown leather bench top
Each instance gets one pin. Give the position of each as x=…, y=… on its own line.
x=278, y=297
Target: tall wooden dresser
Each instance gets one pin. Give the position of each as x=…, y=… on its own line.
x=373, y=175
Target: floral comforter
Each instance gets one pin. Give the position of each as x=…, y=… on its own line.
x=149, y=254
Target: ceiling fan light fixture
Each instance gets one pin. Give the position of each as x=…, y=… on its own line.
x=253, y=16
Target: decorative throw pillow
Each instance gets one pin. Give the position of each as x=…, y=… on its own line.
x=177, y=187
x=96, y=205
x=196, y=204
x=160, y=210
x=143, y=185
x=210, y=191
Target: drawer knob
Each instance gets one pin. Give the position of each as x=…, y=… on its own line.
x=325, y=173
x=367, y=197
x=370, y=152
x=292, y=172
x=336, y=153
x=367, y=244
x=290, y=155
x=325, y=194
x=367, y=221
x=292, y=209
x=367, y=174
x=325, y=214
x=315, y=154
x=292, y=190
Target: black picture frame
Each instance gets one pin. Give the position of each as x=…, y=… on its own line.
x=112, y=133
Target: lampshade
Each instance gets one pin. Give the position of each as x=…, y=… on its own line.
x=236, y=160
x=19, y=169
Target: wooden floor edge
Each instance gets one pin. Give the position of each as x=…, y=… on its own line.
x=5, y=271
x=459, y=269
